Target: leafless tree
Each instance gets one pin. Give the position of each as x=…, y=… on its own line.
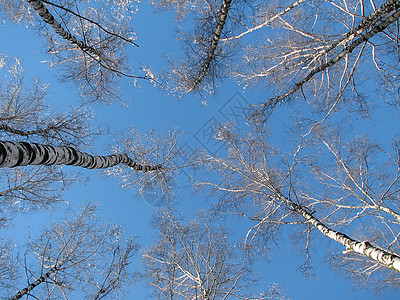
x=87, y=41
x=25, y=115
x=321, y=50
x=318, y=50
x=204, y=59
x=78, y=254
x=151, y=148
x=196, y=260
x=8, y=267
x=26, y=120
x=152, y=156
x=359, y=183
x=258, y=182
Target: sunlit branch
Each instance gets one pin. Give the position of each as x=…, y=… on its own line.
x=49, y=19
x=347, y=50
x=267, y=22
x=93, y=22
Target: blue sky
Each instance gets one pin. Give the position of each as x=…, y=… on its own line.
x=188, y=115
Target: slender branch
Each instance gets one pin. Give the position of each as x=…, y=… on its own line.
x=347, y=50
x=265, y=23
x=93, y=22
x=49, y=19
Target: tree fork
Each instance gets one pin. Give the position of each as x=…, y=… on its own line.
x=23, y=154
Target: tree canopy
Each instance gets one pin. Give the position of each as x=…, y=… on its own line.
x=222, y=134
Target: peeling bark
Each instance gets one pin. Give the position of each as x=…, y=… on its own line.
x=23, y=154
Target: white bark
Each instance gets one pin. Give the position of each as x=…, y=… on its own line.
x=347, y=50
x=385, y=258
x=269, y=21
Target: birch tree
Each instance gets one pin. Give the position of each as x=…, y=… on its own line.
x=324, y=52
x=25, y=115
x=87, y=41
x=78, y=254
x=204, y=58
x=26, y=118
x=261, y=184
x=321, y=50
x=155, y=178
x=8, y=267
x=24, y=154
x=196, y=261
x=359, y=182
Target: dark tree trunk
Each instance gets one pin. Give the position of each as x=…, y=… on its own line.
x=23, y=154
x=223, y=14
x=44, y=13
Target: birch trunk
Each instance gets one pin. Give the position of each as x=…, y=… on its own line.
x=347, y=50
x=367, y=22
x=387, y=259
x=44, y=13
x=223, y=14
x=31, y=286
x=23, y=154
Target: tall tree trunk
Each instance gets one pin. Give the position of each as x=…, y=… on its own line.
x=49, y=19
x=387, y=259
x=31, y=286
x=223, y=14
x=23, y=154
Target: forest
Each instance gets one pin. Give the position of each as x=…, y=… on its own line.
x=199, y=149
